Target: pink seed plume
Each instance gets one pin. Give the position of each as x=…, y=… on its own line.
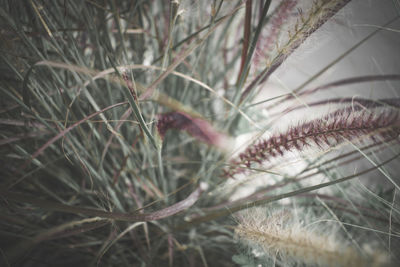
x=198, y=128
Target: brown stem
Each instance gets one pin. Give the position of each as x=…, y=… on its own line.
x=246, y=37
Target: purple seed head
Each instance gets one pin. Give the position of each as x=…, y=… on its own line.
x=337, y=127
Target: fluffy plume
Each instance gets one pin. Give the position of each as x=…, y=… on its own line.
x=282, y=237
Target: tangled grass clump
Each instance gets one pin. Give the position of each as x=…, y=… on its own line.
x=143, y=133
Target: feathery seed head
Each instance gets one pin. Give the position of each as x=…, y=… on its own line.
x=283, y=237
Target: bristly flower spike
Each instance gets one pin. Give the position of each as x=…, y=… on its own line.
x=331, y=130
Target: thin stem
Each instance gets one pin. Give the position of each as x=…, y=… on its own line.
x=142, y=217
x=227, y=210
